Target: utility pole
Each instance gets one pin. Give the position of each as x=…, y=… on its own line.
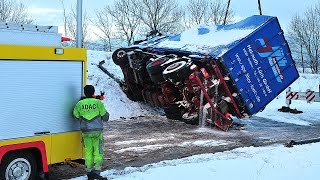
x=226, y=15
x=79, y=24
x=259, y=6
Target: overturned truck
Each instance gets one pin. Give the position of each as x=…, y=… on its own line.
x=210, y=72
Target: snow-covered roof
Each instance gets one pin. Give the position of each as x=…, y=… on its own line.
x=210, y=39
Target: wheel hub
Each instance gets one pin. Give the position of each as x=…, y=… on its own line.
x=174, y=66
x=17, y=172
x=121, y=54
x=19, y=169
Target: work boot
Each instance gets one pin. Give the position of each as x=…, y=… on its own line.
x=95, y=176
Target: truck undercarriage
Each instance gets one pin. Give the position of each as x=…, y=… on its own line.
x=182, y=84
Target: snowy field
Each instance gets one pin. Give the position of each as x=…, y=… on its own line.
x=256, y=163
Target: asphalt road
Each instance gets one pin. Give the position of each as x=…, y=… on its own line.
x=139, y=141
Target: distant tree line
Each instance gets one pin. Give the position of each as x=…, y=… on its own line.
x=12, y=11
x=129, y=20
x=304, y=38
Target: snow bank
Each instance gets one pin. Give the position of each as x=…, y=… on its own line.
x=311, y=111
x=115, y=101
x=260, y=163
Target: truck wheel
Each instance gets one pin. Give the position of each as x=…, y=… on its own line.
x=177, y=71
x=175, y=116
x=18, y=165
x=191, y=118
x=171, y=109
x=155, y=69
x=173, y=112
x=120, y=57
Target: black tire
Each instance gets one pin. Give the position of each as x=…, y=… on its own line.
x=133, y=96
x=120, y=57
x=177, y=71
x=175, y=116
x=192, y=120
x=156, y=78
x=171, y=109
x=155, y=69
x=173, y=112
x=20, y=164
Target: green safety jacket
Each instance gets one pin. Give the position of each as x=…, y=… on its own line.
x=91, y=113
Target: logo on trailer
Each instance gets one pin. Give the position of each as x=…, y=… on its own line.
x=275, y=55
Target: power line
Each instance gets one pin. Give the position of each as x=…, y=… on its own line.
x=259, y=6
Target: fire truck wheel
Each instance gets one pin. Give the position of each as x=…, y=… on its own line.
x=177, y=71
x=18, y=165
x=120, y=57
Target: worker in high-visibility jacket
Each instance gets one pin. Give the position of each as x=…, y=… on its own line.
x=91, y=113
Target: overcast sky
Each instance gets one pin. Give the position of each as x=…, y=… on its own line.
x=49, y=12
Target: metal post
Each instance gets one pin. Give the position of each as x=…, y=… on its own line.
x=202, y=118
x=288, y=101
x=79, y=24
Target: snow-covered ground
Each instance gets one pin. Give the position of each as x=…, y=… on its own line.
x=256, y=163
x=116, y=101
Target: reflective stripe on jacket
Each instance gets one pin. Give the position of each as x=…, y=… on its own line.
x=91, y=113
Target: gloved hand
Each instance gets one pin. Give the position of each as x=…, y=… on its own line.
x=101, y=95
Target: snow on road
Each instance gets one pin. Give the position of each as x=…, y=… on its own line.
x=257, y=163
x=153, y=147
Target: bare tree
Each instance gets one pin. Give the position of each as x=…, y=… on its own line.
x=64, y=18
x=306, y=32
x=159, y=15
x=104, y=25
x=124, y=19
x=71, y=24
x=295, y=40
x=208, y=12
x=198, y=11
x=11, y=11
x=219, y=11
